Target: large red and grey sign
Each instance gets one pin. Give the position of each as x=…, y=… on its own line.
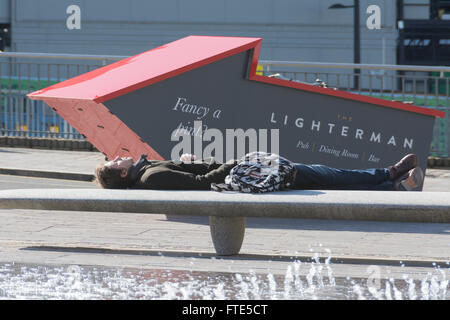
x=137, y=105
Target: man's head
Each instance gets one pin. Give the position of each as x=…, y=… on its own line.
x=114, y=174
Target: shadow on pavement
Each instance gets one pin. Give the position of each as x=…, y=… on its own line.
x=328, y=225
x=210, y=255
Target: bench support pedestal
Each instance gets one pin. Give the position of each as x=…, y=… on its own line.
x=227, y=234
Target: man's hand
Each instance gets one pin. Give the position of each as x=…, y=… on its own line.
x=187, y=157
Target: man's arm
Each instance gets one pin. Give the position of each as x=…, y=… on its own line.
x=178, y=180
x=199, y=167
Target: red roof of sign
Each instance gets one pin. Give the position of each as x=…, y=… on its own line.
x=178, y=57
x=147, y=68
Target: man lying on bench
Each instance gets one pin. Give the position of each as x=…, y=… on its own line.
x=123, y=173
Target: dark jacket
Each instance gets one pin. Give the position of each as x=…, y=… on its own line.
x=176, y=175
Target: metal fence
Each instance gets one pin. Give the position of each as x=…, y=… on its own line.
x=21, y=73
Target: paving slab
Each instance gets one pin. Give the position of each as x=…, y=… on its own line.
x=183, y=243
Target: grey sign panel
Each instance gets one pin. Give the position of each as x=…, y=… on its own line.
x=312, y=127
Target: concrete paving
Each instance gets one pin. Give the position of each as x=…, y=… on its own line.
x=184, y=243
x=73, y=165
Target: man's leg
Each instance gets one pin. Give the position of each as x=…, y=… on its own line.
x=324, y=177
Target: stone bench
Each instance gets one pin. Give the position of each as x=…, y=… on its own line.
x=228, y=210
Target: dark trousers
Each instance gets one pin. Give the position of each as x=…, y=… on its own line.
x=323, y=177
